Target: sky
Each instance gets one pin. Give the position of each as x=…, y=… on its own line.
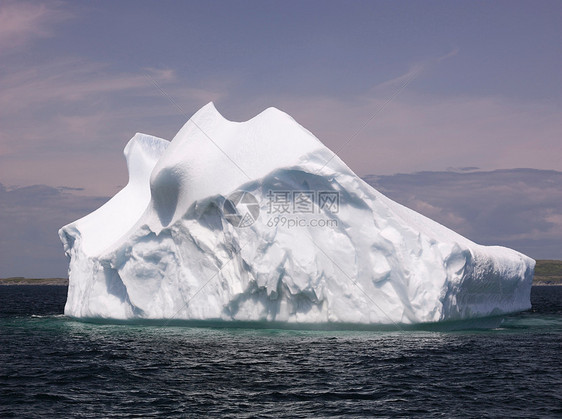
x=397, y=89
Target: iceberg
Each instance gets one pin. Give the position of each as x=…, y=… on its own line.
x=259, y=221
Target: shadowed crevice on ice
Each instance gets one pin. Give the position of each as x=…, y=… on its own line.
x=180, y=242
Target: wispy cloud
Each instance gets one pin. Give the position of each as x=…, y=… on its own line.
x=396, y=82
x=22, y=21
x=416, y=70
x=70, y=81
x=78, y=115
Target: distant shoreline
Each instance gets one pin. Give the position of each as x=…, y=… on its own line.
x=19, y=280
x=547, y=284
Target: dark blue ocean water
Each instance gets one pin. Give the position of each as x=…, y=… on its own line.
x=57, y=367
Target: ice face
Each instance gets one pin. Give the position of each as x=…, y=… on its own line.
x=260, y=221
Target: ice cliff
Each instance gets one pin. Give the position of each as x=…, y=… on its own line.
x=260, y=221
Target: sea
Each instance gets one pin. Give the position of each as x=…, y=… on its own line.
x=55, y=366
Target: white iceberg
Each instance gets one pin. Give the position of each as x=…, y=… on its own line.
x=259, y=221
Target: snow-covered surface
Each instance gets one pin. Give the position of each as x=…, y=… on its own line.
x=163, y=249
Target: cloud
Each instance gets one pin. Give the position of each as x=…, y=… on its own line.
x=22, y=21
x=415, y=71
x=73, y=82
x=518, y=208
x=29, y=220
x=63, y=121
